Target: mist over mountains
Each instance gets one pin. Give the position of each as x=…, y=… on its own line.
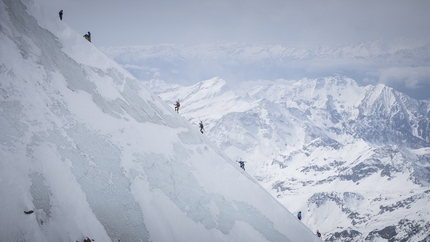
x=88, y=151
x=355, y=160
x=403, y=64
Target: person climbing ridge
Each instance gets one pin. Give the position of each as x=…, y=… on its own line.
x=177, y=105
x=299, y=215
x=201, y=127
x=242, y=164
x=61, y=14
x=86, y=36
x=318, y=234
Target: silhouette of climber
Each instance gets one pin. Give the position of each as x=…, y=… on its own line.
x=201, y=127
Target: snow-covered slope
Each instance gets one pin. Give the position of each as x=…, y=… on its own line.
x=355, y=160
x=87, y=151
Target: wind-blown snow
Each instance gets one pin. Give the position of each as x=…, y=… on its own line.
x=94, y=154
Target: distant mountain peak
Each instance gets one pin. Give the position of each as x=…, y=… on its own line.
x=347, y=154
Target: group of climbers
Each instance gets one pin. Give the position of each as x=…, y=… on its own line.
x=87, y=36
x=299, y=216
x=177, y=105
x=202, y=130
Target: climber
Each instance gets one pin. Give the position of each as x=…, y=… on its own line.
x=242, y=164
x=88, y=36
x=177, y=105
x=299, y=215
x=318, y=234
x=201, y=127
x=61, y=14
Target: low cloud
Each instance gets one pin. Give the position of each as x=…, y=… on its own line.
x=408, y=77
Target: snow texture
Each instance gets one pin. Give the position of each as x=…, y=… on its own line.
x=94, y=154
x=355, y=160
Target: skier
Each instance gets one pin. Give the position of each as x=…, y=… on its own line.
x=299, y=215
x=177, y=105
x=89, y=36
x=61, y=14
x=201, y=127
x=242, y=164
x=318, y=234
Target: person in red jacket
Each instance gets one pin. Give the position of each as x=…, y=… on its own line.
x=177, y=105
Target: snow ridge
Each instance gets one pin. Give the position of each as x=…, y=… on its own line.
x=87, y=151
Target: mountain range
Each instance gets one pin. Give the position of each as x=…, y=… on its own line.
x=402, y=64
x=355, y=160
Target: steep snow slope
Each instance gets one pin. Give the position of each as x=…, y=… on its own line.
x=94, y=154
x=354, y=160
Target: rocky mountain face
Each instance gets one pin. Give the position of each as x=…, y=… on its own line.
x=354, y=159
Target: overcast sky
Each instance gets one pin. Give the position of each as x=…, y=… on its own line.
x=116, y=23
x=143, y=22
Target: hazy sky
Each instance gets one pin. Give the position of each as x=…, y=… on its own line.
x=143, y=22
x=317, y=22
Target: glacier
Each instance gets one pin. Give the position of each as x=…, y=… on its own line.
x=89, y=152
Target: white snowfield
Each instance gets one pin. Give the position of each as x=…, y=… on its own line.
x=94, y=154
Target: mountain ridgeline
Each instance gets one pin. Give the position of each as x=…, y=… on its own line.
x=355, y=158
x=88, y=153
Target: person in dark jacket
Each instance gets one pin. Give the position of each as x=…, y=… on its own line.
x=299, y=215
x=61, y=14
x=88, y=36
x=201, y=127
x=242, y=164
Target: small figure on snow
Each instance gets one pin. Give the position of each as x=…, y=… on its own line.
x=61, y=14
x=201, y=127
x=318, y=234
x=242, y=164
x=177, y=105
x=88, y=36
x=299, y=215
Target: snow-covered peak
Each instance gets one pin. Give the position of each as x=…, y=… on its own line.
x=353, y=159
